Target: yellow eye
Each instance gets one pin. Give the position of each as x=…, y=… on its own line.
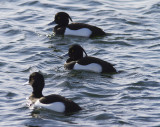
x=58, y=18
x=72, y=50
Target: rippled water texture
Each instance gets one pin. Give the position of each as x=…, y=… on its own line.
x=130, y=98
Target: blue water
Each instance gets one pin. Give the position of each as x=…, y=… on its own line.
x=130, y=98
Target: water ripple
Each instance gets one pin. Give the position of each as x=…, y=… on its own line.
x=128, y=98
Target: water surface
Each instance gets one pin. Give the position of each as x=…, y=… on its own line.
x=129, y=98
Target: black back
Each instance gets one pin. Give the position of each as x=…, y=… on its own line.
x=76, y=56
x=36, y=80
x=106, y=66
x=62, y=19
x=70, y=106
x=95, y=30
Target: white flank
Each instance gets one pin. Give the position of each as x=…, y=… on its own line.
x=56, y=106
x=90, y=67
x=85, y=32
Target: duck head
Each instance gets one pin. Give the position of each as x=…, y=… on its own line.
x=36, y=80
x=62, y=18
x=75, y=52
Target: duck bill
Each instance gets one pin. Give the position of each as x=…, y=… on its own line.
x=52, y=23
x=65, y=55
x=26, y=83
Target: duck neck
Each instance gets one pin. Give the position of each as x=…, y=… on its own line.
x=62, y=25
x=78, y=57
x=37, y=94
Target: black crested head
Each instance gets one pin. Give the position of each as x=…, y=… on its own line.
x=62, y=18
x=36, y=80
x=75, y=52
